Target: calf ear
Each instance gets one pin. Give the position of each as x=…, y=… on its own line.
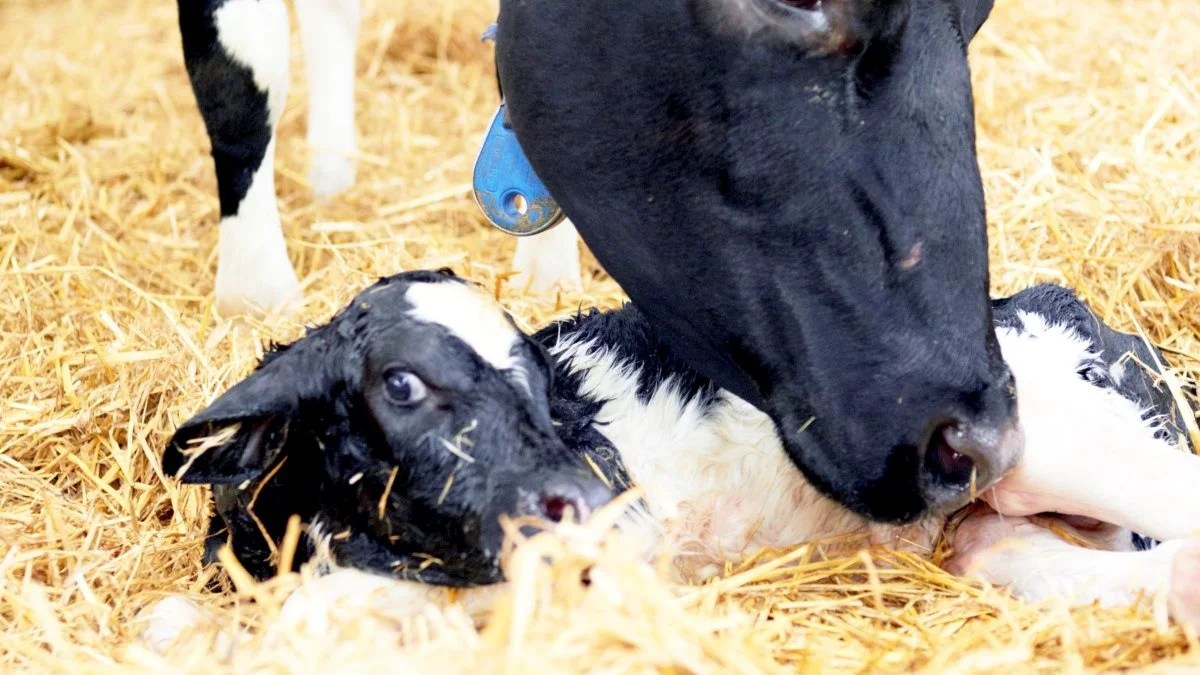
x=242, y=433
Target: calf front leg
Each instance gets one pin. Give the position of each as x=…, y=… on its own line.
x=236, y=53
x=329, y=30
x=1037, y=564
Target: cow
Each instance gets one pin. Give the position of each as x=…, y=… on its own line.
x=789, y=191
x=236, y=56
x=717, y=484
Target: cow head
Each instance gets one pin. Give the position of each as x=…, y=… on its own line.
x=789, y=189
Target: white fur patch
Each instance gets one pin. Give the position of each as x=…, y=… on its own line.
x=470, y=315
x=329, y=30
x=255, y=34
x=253, y=270
x=717, y=481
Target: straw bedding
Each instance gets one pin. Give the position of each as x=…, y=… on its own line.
x=1089, y=138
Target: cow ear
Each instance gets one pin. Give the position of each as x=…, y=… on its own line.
x=973, y=13
x=244, y=432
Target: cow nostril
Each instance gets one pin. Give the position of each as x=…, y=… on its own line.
x=554, y=507
x=949, y=456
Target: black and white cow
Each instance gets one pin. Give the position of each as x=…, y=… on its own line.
x=789, y=190
x=717, y=483
x=236, y=54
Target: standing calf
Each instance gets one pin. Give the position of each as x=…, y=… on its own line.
x=717, y=483
x=236, y=54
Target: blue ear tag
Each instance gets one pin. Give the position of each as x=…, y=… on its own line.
x=508, y=191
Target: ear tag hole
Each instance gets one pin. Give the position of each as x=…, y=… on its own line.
x=515, y=204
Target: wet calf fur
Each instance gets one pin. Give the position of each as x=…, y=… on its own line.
x=789, y=191
x=236, y=54
x=399, y=432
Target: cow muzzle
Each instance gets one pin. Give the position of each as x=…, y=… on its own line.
x=961, y=459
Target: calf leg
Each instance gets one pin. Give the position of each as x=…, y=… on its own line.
x=329, y=30
x=316, y=608
x=161, y=624
x=1037, y=564
x=544, y=261
x=236, y=53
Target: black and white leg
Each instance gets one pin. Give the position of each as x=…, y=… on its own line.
x=236, y=53
x=329, y=31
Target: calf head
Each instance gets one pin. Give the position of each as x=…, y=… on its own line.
x=789, y=190
x=1057, y=343
x=405, y=427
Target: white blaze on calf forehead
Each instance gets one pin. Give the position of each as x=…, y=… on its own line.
x=470, y=315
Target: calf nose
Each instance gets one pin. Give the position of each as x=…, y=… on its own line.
x=962, y=459
x=557, y=498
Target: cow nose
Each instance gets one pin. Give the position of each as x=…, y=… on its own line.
x=962, y=459
x=560, y=497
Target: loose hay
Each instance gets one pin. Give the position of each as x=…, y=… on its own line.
x=1089, y=136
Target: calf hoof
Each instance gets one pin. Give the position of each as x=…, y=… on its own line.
x=332, y=172
x=548, y=261
x=166, y=621
x=1184, y=596
x=254, y=275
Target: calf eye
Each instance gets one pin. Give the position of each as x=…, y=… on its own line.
x=1094, y=375
x=404, y=388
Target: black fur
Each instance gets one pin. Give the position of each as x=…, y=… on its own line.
x=316, y=436
x=234, y=109
x=798, y=211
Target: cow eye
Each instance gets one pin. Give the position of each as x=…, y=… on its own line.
x=808, y=5
x=404, y=388
x=1094, y=374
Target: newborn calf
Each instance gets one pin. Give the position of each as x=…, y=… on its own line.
x=399, y=432
x=718, y=486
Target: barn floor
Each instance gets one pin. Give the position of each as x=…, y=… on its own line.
x=1089, y=138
